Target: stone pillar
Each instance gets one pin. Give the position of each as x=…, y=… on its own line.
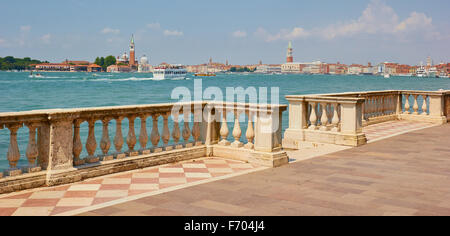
x=58, y=143
x=436, y=108
x=351, y=124
x=268, y=131
x=298, y=120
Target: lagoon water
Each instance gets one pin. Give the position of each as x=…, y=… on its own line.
x=18, y=92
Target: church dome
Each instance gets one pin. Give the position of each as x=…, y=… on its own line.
x=144, y=60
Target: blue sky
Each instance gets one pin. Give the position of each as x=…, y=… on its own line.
x=244, y=32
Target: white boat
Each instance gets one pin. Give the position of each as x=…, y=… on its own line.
x=167, y=71
x=35, y=75
x=421, y=73
x=387, y=76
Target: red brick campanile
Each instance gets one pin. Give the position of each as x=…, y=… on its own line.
x=290, y=57
x=132, y=53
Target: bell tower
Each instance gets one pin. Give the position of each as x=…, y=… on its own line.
x=290, y=57
x=132, y=52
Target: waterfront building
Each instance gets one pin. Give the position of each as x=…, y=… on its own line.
x=119, y=69
x=268, y=69
x=67, y=66
x=355, y=69
x=94, y=68
x=292, y=68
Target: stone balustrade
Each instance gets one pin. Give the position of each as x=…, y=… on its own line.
x=339, y=118
x=58, y=153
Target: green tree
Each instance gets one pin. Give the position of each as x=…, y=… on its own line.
x=109, y=60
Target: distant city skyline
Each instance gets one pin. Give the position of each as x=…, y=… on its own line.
x=242, y=32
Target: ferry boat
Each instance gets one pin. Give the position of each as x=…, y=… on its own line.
x=167, y=71
x=421, y=72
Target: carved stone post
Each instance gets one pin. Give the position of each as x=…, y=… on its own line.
x=196, y=132
x=105, y=143
x=118, y=139
x=91, y=143
x=237, y=132
x=335, y=121
x=313, y=117
x=77, y=145
x=131, y=138
x=416, y=105
x=407, y=106
x=13, y=154
x=176, y=134
x=186, y=130
x=424, y=105
x=250, y=135
x=143, y=135
x=166, y=131
x=154, y=136
x=324, y=118
x=32, y=150
x=224, y=132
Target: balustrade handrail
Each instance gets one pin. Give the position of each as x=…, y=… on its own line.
x=371, y=93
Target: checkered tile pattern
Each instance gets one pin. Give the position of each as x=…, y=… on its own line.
x=57, y=200
x=387, y=129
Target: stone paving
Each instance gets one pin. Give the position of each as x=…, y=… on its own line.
x=389, y=177
x=407, y=174
x=391, y=128
x=73, y=198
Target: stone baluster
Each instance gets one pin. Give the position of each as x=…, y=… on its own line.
x=237, y=132
x=196, y=133
x=166, y=131
x=32, y=149
x=118, y=139
x=143, y=135
x=324, y=117
x=224, y=131
x=424, y=105
x=250, y=135
x=313, y=116
x=131, y=137
x=77, y=145
x=13, y=154
x=416, y=105
x=105, y=143
x=407, y=106
x=176, y=135
x=154, y=136
x=186, y=129
x=335, y=121
x=91, y=143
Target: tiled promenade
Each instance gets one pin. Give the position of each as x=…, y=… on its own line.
x=71, y=199
x=403, y=175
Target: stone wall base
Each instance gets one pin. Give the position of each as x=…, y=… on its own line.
x=294, y=139
x=424, y=118
x=379, y=119
x=269, y=159
x=86, y=171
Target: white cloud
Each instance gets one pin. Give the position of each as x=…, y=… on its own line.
x=108, y=30
x=377, y=18
x=239, y=34
x=154, y=26
x=173, y=33
x=46, y=38
x=284, y=34
x=25, y=28
x=414, y=22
